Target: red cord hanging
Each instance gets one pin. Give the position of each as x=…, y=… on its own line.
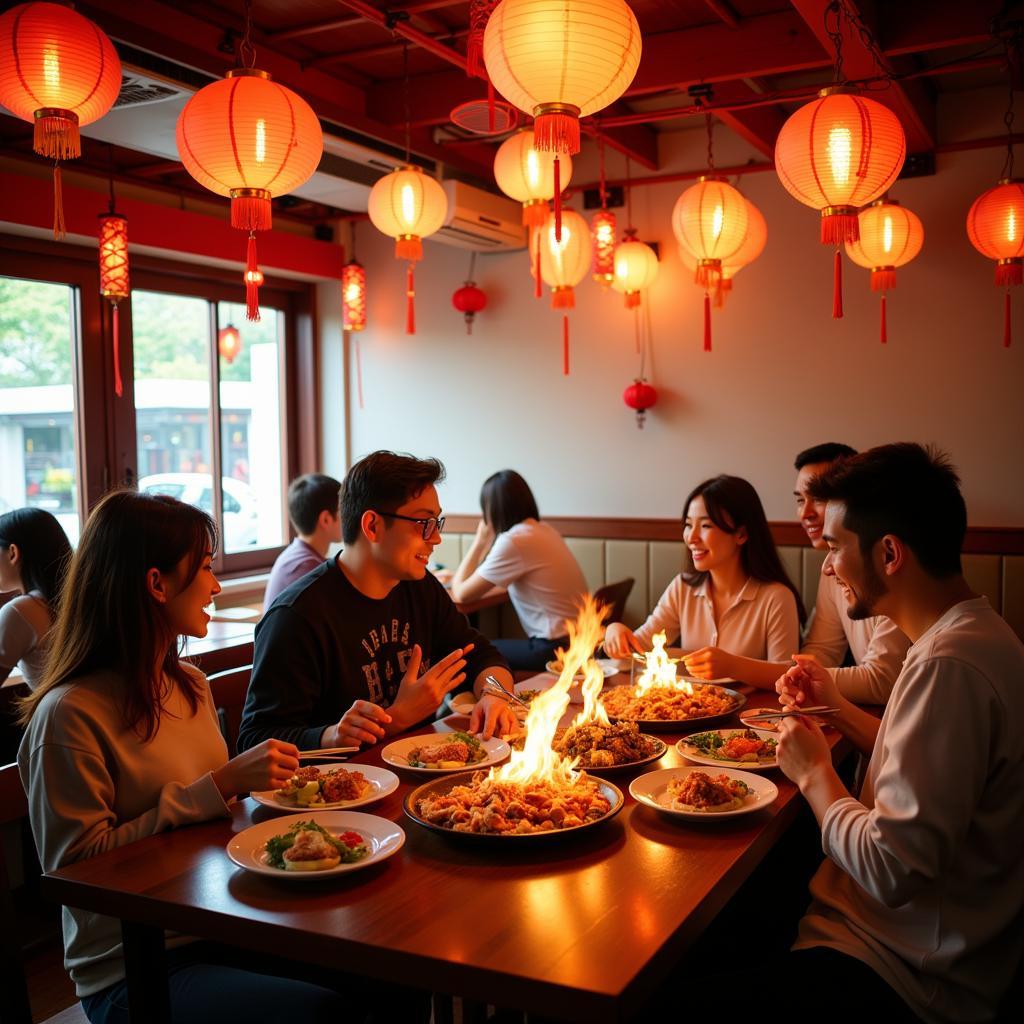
x=565, y=344
x=118, y=385
x=253, y=280
x=885, y=332
x=536, y=266
x=558, y=199
x=707, y=322
x=410, y=300
x=837, y=288
x=1006, y=321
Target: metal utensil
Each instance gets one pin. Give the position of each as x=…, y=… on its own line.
x=791, y=713
x=492, y=686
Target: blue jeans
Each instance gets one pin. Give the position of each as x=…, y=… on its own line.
x=530, y=654
x=210, y=984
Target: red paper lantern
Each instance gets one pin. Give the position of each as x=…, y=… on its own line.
x=229, y=343
x=114, y=282
x=251, y=139
x=353, y=296
x=602, y=234
x=641, y=397
x=58, y=70
x=469, y=300
x=837, y=154
x=995, y=226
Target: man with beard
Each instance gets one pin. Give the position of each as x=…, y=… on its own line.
x=918, y=903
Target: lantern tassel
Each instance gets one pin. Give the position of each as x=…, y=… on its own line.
x=59, y=230
x=1006, y=321
x=885, y=332
x=563, y=298
x=534, y=214
x=56, y=135
x=536, y=265
x=557, y=133
x=359, y=373
x=250, y=213
x=837, y=228
x=632, y=300
x=707, y=322
x=883, y=279
x=469, y=323
x=837, y=287
x=252, y=285
x=565, y=344
x=409, y=247
x=118, y=386
x=558, y=201
x=410, y=300
x=1009, y=273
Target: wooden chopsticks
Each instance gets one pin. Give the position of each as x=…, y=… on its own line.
x=790, y=713
x=328, y=752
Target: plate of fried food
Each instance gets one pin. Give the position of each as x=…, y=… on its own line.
x=472, y=804
x=698, y=795
x=730, y=748
x=608, y=748
x=444, y=752
x=326, y=787
x=305, y=847
x=665, y=707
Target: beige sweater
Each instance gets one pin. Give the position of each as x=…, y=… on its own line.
x=94, y=785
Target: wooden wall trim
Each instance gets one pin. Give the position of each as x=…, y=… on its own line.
x=980, y=540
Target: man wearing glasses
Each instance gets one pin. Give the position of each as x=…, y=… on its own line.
x=368, y=644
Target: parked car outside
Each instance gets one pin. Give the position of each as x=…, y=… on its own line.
x=240, y=513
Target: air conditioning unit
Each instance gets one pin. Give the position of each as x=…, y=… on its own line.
x=480, y=220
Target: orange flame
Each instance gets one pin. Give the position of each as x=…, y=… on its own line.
x=660, y=670
x=537, y=760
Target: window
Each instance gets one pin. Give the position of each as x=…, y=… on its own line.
x=219, y=428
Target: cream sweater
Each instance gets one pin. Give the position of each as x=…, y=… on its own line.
x=94, y=785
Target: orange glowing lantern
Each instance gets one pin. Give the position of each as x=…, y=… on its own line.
x=353, y=296
x=249, y=138
x=711, y=219
x=602, y=234
x=890, y=237
x=560, y=60
x=58, y=70
x=408, y=205
x=229, y=343
x=564, y=263
x=114, y=280
x=527, y=175
x=837, y=154
x=995, y=226
x=636, y=267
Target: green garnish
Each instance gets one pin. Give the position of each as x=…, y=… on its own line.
x=277, y=845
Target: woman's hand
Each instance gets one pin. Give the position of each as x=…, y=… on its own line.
x=710, y=663
x=269, y=765
x=363, y=723
x=492, y=716
x=620, y=641
x=807, y=684
x=484, y=535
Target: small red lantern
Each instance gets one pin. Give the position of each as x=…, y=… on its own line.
x=229, y=343
x=114, y=284
x=641, y=397
x=602, y=229
x=469, y=300
x=353, y=296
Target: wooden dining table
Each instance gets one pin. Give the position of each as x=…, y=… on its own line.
x=578, y=926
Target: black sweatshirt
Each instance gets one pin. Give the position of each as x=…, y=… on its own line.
x=323, y=644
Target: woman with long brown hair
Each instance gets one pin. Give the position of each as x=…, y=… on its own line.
x=733, y=608
x=122, y=742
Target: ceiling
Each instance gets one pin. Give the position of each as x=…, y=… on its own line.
x=760, y=58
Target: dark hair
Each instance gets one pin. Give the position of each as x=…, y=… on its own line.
x=907, y=490
x=382, y=481
x=506, y=499
x=732, y=503
x=310, y=495
x=44, y=548
x=827, y=452
x=108, y=619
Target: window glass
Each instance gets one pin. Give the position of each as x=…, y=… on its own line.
x=251, y=427
x=38, y=442
x=172, y=395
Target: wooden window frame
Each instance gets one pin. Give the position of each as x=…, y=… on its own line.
x=105, y=424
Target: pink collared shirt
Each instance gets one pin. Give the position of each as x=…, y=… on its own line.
x=761, y=623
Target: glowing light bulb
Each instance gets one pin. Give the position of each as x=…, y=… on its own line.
x=532, y=167
x=716, y=222
x=261, y=140
x=604, y=233
x=51, y=69
x=840, y=148
x=352, y=292
x=408, y=204
x=887, y=234
x=1011, y=227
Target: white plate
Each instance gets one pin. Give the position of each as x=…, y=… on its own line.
x=609, y=666
x=652, y=789
x=460, y=703
x=751, y=766
x=396, y=753
x=381, y=783
x=382, y=837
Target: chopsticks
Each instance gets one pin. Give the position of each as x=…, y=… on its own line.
x=768, y=716
x=328, y=752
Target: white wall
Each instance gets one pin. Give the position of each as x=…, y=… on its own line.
x=783, y=374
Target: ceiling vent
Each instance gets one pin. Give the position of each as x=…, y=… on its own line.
x=136, y=90
x=480, y=220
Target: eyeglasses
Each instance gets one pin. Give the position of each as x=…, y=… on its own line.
x=429, y=525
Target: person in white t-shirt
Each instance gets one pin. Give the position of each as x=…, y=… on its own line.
x=733, y=608
x=34, y=555
x=919, y=902
x=514, y=548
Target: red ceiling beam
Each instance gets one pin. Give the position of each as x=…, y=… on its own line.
x=911, y=102
x=758, y=126
x=327, y=59
x=935, y=24
x=418, y=10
